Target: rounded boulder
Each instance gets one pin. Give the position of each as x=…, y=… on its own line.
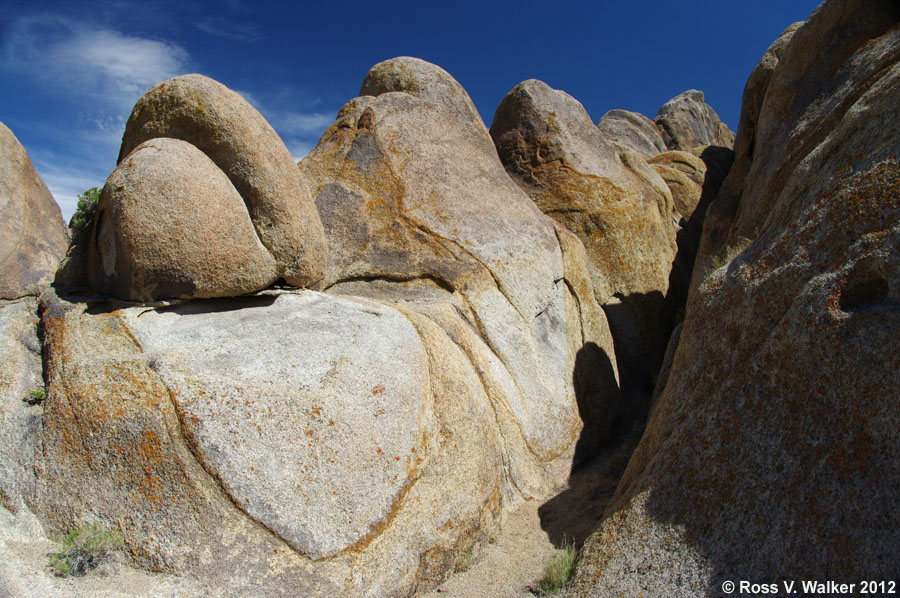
x=236, y=137
x=169, y=225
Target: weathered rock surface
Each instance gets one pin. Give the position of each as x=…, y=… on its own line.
x=350, y=442
x=633, y=131
x=721, y=238
x=33, y=235
x=20, y=373
x=687, y=121
x=772, y=453
x=617, y=205
x=684, y=173
x=170, y=224
x=238, y=139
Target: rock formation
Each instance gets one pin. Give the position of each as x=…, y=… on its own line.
x=772, y=452
x=632, y=131
x=33, y=235
x=694, y=178
x=611, y=198
x=347, y=442
x=251, y=159
x=171, y=224
x=687, y=121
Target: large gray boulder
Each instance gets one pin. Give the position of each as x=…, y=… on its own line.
x=772, y=453
x=611, y=198
x=687, y=121
x=241, y=143
x=33, y=237
x=170, y=224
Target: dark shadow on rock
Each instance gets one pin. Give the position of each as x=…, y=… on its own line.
x=640, y=343
x=599, y=401
x=640, y=331
x=573, y=515
x=219, y=305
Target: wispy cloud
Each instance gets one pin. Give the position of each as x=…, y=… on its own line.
x=66, y=181
x=97, y=74
x=219, y=27
x=299, y=123
x=90, y=61
x=299, y=150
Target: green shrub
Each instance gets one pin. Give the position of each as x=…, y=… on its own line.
x=83, y=218
x=464, y=560
x=84, y=548
x=559, y=571
x=35, y=396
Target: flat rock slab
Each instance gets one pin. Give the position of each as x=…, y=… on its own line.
x=308, y=409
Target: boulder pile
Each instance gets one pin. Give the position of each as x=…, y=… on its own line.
x=350, y=440
x=220, y=212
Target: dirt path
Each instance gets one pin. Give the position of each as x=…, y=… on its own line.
x=533, y=534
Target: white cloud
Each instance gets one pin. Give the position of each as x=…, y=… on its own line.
x=86, y=61
x=128, y=64
x=299, y=150
x=298, y=122
x=300, y=131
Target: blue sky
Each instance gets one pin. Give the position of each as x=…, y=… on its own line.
x=71, y=71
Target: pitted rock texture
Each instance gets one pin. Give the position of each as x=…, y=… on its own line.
x=687, y=121
x=772, y=452
x=612, y=199
x=241, y=143
x=633, y=131
x=170, y=224
x=33, y=237
x=20, y=374
x=276, y=433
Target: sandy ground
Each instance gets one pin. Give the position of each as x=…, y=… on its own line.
x=24, y=570
x=533, y=534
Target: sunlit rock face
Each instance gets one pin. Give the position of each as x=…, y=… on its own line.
x=33, y=236
x=204, y=202
x=607, y=195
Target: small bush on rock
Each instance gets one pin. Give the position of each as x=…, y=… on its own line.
x=84, y=214
x=36, y=396
x=558, y=572
x=464, y=561
x=84, y=548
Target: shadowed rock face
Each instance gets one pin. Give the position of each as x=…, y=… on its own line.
x=345, y=442
x=686, y=121
x=772, y=453
x=617, y=205
x=33, y=236
x=254, y=161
